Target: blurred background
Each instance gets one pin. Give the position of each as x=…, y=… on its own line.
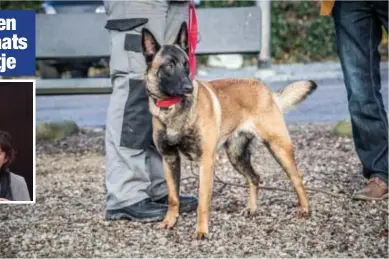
x=297, y=30
x=296, y=43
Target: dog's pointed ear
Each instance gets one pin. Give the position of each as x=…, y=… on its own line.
x=182, y=37
x=150, y=45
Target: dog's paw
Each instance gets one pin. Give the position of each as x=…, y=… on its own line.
x=167, y=223
x=247, y=212
x=303, y=213
x=200, y=235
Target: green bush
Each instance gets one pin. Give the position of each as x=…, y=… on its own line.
x=20, y=5
x=343, y=129
x=56, y=130
x=300, y=34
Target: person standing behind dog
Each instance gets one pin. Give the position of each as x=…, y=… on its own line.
x=136, y=187
x=358, y=26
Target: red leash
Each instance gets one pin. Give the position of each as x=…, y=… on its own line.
x=192, y=41
x=192, y=37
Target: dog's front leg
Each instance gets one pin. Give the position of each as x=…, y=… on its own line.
x=207, y=165
x=172, y=170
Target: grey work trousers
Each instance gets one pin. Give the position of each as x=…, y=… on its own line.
x=133, y=165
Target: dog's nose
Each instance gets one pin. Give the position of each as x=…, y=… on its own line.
x=188, y=88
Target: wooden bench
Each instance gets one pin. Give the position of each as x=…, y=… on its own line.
x=71, y=36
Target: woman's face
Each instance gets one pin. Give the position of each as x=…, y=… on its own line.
x=3, y=158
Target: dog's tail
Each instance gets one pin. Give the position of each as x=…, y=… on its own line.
x=293, y=94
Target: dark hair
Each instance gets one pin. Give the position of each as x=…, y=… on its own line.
x=5, y=181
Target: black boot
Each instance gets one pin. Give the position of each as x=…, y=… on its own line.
x=145, y=210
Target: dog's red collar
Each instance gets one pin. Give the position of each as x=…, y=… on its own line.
x=165, y=103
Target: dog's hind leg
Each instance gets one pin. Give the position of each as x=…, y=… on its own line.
x=276, y=137
x=238, y=152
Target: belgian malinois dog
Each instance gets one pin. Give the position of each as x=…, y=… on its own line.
x=195, y=119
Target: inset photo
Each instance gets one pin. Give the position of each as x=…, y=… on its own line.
x=17, y=141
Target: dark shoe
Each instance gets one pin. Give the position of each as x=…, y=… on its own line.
x=188, y=203
x=375, y=190
x=145, y=211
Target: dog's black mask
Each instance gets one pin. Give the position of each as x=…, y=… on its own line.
x=174, y=72
x=168, y=65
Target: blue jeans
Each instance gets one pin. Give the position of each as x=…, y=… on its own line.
x=358, y=35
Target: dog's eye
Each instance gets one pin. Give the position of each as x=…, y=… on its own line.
x=169, y=66
x=186, y=66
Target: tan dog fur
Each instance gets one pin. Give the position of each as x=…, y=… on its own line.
x=230, y=113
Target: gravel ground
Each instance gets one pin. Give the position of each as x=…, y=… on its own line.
x=68, y=217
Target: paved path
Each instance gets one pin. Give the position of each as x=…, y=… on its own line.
x=328, y=103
